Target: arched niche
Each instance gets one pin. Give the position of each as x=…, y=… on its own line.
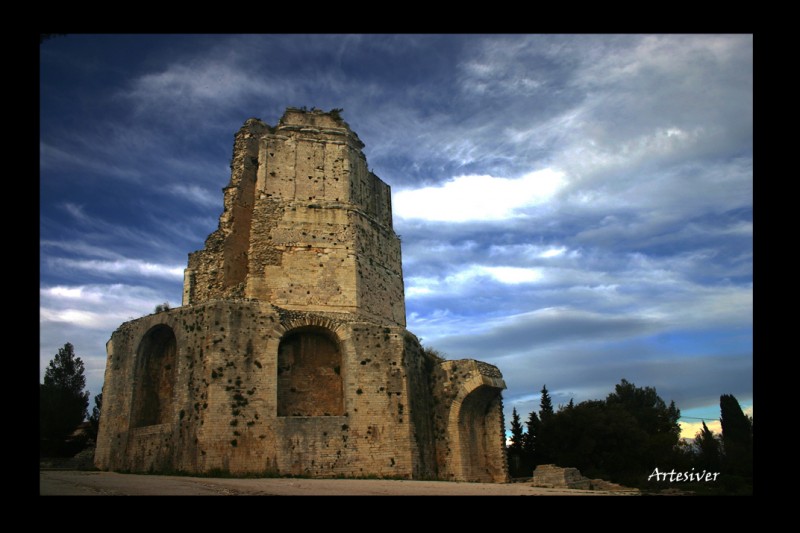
x=310, y=373
x=154, y=380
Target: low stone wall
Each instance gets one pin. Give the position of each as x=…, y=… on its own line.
x=552, y=476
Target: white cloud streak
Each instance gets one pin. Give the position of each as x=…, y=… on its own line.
x=196, y=194
x=121, y=267
x=484, y=197
x=85, y=315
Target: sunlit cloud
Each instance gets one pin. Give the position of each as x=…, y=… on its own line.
x=513, y=275
x=67, y=302
x=481, y=197
x=77, y=317
x=553, y=252
x=128, y=267
x=71, y=293
x=689, y=430
x=466, y=277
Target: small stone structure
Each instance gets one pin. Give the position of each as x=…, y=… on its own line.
x=289, y=354
x=552, y=476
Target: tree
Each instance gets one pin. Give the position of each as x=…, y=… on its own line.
x=532, y=427
x=622, y=438
x=600, y=440
x=708, y=449
x=160, y=308
x=515, y=449
x=62, y=400
x=737, y=436
x=544, y=440
x=516, y=431
x=530, y=442
x=94, y=418
x=545, y=405
x=653, y=416
x=65, y=371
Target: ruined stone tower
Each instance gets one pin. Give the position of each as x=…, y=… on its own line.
x=290, y=353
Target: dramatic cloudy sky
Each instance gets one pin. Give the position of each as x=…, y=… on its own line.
x=573, y=209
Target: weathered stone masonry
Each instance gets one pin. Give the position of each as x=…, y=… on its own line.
x=290, y=353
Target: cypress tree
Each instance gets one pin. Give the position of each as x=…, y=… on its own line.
x=545, y=405
x=737, y=436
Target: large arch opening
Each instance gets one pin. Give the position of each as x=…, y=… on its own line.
x=154, y=377
x=479, y=439
x=310, y=373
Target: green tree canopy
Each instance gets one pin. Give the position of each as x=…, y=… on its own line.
x=649, y=410
x=516, y=462
x=621, y=438
x=65, y=372
x=516, y=432
x=600, y=440
x=655, y=418
x=530, y=443
x=545, y=442
x=545, y=405
x=708, y=449
x=532, y=430
x=62, y=400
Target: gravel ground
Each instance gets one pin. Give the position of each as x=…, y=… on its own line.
x=64, y=482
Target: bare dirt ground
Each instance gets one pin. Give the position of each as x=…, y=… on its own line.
x=63, y=482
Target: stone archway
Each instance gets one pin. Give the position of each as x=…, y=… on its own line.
x=478, y=440
x=475, y=424
x=310, y=373
x=154, y=380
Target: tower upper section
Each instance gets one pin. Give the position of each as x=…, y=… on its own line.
x=305, y=224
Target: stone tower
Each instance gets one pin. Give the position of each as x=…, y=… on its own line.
x=290, y=353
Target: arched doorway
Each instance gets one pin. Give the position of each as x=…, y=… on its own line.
x=478, y=438
x=154, y=380
x=310, y=373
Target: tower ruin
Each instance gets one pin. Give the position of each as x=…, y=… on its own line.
x=289, y=354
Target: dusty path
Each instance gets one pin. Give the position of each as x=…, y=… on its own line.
x=60, y=482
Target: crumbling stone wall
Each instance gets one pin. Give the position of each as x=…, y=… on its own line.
x=553, y=476
x=219, y=270
x=468, y=417
x=305, y=225
x=290, y=353
x=226, y=413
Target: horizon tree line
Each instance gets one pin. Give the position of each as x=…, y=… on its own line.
x=624, y=437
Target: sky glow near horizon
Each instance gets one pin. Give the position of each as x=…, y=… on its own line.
x=575, y=209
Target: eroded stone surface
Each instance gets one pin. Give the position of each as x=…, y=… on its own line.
x=290, y=353
x=552, y=476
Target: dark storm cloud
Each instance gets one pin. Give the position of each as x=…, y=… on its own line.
x=538, y=329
